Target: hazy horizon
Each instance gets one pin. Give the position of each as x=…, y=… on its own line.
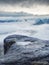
x=22, y=12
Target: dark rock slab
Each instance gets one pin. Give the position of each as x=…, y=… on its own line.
x=8, y=41
x=33, y=50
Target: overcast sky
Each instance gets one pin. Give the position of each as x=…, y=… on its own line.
x=31, y=6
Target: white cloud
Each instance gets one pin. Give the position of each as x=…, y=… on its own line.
x=36, y=9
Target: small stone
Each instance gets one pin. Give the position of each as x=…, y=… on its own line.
x=40, y=63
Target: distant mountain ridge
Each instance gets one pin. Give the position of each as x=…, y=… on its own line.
x=15, y=14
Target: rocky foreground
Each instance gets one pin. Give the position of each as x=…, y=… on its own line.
x=24, y=50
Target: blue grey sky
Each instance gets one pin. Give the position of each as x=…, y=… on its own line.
x=31, y=6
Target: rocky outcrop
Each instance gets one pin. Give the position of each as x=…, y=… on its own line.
x=8, y=41
x=32, y=50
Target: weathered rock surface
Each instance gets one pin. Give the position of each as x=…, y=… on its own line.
x=15, y=38
x=7, y=44
x=25, y=50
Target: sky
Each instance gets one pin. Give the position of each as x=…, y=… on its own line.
x=39, y=7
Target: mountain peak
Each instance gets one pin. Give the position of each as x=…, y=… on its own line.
x=14, y=14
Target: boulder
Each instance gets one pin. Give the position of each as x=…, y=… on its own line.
x=19, y=54
x=8, y=41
